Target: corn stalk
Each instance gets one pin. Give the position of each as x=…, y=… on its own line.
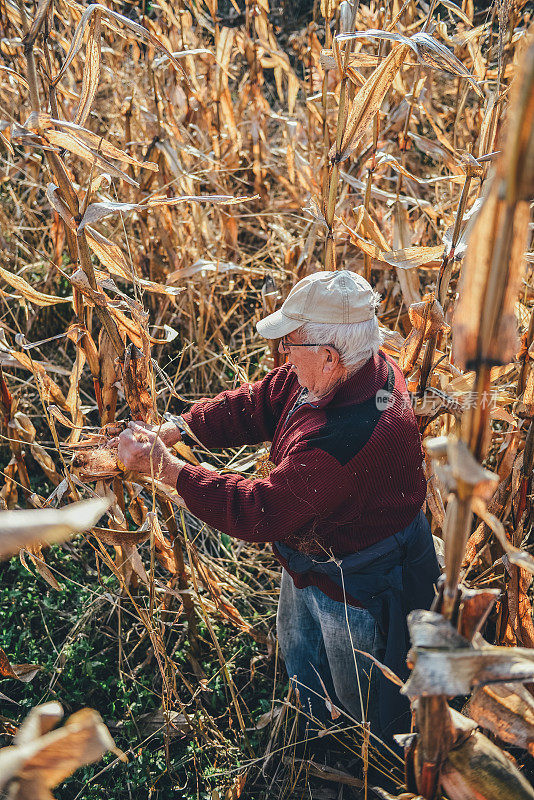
x=342, y=113
x=484, y=336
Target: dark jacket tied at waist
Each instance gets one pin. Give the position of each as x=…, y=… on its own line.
x=390, y=578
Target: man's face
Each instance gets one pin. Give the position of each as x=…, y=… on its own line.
x=307, y=363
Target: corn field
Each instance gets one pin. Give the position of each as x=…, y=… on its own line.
x=168, y=171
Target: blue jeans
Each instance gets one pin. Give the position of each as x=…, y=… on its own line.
x=315, y=640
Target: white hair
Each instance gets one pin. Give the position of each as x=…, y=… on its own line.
x=356, y=342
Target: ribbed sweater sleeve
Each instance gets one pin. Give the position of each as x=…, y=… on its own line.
x=247, y=415
x=306, y=485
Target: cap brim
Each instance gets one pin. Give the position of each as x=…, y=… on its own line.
x=277, y=325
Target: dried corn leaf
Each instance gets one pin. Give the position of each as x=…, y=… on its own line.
x=45, y=462
x=436, y=150
x=67, y=141
x=34, y=552
x=49, y=389
x=355, y=60
x=22, y=528
x=97, y=143
x=20, y=672
x=432, y=53
x=368, y=101
x=475, y=607
x=91, y=72
x=444, y=662
x=28, y=292
x=507, y=710
x=47, y=760
x=20, y=78
x=39, y=18
x=53, y=197
x=134, y=27
x=164, y=551
x=97, y=211
x=520, y=558
x=108, y=253
x=428, y=50
x=413, y=257
x=485, y=327
x=477, y=769
x=40, y=720
x=118, y=537
x=369, y=228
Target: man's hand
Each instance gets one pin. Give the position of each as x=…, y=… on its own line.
x=168, y=432
x=141, y=450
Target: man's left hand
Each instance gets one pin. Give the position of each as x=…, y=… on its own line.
x=142, y=451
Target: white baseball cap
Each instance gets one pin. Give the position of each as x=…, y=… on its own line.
x=341, y=296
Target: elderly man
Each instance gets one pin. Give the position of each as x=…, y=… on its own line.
x=342, y=503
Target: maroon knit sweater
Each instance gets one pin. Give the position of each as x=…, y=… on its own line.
x=348, y=469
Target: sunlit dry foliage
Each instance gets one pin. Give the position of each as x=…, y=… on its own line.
x=165, y=179
x=41, y=757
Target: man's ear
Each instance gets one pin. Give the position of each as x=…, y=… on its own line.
x=332, y=359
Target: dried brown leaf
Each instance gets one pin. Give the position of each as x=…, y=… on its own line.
x=97, y=143
x=45, y=761
x=20, y=672
x=22, y=528
x=507, y=710
x=134, y=27
x=368, y=101
x=91, y=72
x=39, y=564
x=413, y=257
x=477, y=768
x=446, y=663
x=28, y=292
x=68, y=141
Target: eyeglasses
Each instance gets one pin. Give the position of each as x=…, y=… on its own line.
x=285, y=345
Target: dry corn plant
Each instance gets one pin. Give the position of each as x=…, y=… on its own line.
x=166, y=177
x=449, y=656
x=41, y=757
